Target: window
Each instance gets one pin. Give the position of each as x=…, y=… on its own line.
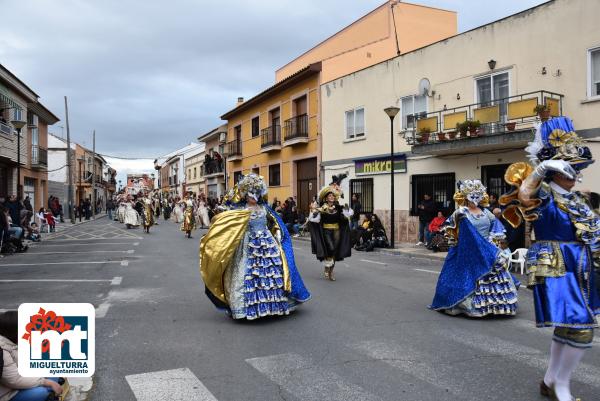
x=194, y=172
x=274, y=175
x=355, y=123
x=189, y=174
x=594, y=72
x=440, y=186
x=32, y=119
x=236, y=177
x=493, y=178
x=237, y=131
x=17, y=114
x=492, y=88
x=412, y=107
x=364, y=189
x=255, y=127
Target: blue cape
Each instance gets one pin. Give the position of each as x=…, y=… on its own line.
x=471, y=259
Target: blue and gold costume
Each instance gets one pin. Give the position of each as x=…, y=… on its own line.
x=248, y=269
x=560, y=263
x=474, y=279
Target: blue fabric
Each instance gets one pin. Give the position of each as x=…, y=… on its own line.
x=563, y=123
x=572, y=300
x=34, y=394
x=471, y=259
x=299, y=291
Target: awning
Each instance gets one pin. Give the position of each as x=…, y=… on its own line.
x=7, y=102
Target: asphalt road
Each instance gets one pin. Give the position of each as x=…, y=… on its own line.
x=368, y=336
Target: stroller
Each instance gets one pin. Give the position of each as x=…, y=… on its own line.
x=439, y=243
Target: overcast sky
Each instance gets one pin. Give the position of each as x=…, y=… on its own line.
x=151, y=75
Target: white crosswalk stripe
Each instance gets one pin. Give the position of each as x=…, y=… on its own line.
x=413, y=363
x=306, y=381
x=172, y=385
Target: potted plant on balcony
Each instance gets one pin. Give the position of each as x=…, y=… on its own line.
x=424, y=135
x=462, y=129
x=543, y=111
x=510, y=126
x=473, y=127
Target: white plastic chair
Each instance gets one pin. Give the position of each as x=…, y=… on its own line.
x=518, y=257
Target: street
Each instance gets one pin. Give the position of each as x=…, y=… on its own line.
x=368, y=336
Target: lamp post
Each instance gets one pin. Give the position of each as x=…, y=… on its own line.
x=119, y=185
x=391, y=112
x=18, y=124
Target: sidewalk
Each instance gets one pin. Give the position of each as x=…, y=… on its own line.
x=411, y=251
x=60, y=227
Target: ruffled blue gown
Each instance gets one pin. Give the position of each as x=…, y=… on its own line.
x=255, y=284
x=475, y=280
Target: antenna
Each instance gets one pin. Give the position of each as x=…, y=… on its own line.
x=424, y=87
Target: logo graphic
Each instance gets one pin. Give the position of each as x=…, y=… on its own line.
x=56, y=340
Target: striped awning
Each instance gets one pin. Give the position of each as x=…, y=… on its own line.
x=7, y=102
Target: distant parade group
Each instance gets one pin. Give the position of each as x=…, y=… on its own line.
x=249, y=271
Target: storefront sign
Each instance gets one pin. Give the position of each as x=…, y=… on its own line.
x=381, y=165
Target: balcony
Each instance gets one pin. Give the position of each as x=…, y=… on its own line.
x=39, y=157
x=296, y=130
x=507, y=123
x=212, y=168
x=270, y=139
x=234, y=150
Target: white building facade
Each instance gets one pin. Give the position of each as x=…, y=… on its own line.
x=495, y=74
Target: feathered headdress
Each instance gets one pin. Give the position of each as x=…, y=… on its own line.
x=251, y=185
x=556, y=139
x=471, y=191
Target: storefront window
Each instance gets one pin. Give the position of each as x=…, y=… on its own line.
x=439, y=186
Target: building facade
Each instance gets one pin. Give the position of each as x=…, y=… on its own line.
x=171, y=169
x=58, y=171
x=275, y=134
x=29, y=165
x=140, y=183
x=194, y=180
x=214, y=166
x=495, y=74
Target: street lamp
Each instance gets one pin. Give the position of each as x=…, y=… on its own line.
x=119, y=185
x=391, y=112
x=18, y=124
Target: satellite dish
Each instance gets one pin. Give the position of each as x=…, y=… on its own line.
x=424, y=87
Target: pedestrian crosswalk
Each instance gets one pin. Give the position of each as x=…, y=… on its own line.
x=475, y=366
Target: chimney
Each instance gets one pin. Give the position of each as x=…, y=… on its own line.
x=240, y=101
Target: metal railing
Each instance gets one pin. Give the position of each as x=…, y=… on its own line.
x=234, y=148
x=503, y=116
x=39, y=156
x=270, y=136
x=212, y=167
x=296, y=127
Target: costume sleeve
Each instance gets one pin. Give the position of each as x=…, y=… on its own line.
x=450, y=226
x=314, y=217
x=497, y=230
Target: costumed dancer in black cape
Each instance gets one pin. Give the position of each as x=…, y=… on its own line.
x=330, y=228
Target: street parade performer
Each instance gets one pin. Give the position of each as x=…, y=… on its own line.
x=246, y=257
x=148, y=213
x=189, y=221
x=132, y=218
x=475, y=280
x=560, y=263
x=329, y=226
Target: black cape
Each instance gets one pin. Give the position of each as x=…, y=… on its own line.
x=317, y=241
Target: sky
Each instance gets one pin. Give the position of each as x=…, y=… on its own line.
x=150, y=76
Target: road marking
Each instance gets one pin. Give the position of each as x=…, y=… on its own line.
x=532, y=357
x=427, y=271
x=88, y=244
x=114, y=281
x=124, y=263
x=374, y=262
x=70, y=252
x=102, y=310
x=95, y=239
x=61, y=263
x=130, y=251
x=413, y=363
x=172, y=385
x=304, y=380
x=136, y=243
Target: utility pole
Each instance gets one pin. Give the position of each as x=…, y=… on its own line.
x=94, y=174
x=71, y=202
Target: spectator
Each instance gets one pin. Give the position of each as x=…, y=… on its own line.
x=27, y=204
x=278, y=208
x=373, y=235
x=426, y=212
x=35, y=233
x=434, y=228
x=274, y=204
x=47, y=218
x=357, y=207
x=87, y=209
x=14, y=209
x=494, y=206
x=12, y=385
x=110, y=206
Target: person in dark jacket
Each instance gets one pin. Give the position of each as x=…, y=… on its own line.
x=356, y=206
x=14, y=209
x=426, y=211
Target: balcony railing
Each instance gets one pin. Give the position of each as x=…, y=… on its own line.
x=499, y=117
x=270, y=137
x=212, y=167
x=234, y=148
x=39, y=156
x=296, y=127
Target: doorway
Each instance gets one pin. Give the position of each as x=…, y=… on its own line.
x=306, y=183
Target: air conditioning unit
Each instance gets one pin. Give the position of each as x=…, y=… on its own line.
x=223, y=137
